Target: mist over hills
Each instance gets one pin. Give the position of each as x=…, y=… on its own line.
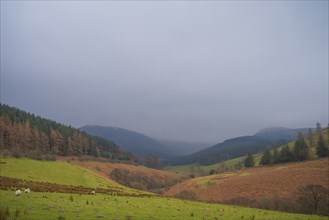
x=281, y=133
x=129, y=140
x=144, y=145
x=179, y=152
x=181, y=148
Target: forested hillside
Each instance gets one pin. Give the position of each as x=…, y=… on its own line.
x=24, y=134
x=231, y=148
x=268, y=138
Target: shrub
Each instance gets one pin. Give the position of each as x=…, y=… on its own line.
x=16, y=153
x=50, y=157
x=34, y=154
x=186, y=195
x=212, y=171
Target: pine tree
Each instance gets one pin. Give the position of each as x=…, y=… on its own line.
x=322, y=148
x=266, y=158
x=285, y=155
x=300, y=148
x=36, y=140
x=5, y=131
x=58, y=143
x=22, y=132
x=310, y=137
x=27, y=137
x=249, y=161
x=275, y=156
x=318, y=127
x=44, y=142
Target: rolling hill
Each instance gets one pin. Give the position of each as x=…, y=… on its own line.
x=231, y=163
x=138, y=177
x=231, y=148
x=129, y=140
x=57, y=176
x=61, y=190
x=236, y=147
x=256, y=186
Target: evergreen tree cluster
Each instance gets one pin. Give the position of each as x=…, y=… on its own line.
x=249, y=161
x=300, y=151
x=24, y=132
x=322, y=148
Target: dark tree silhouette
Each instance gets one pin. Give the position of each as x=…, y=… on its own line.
x=275, y=156
x=249, y=161
x=266, y=158
x=285, y=155
x=300, y=148
x=311, y=196
x=322, y=148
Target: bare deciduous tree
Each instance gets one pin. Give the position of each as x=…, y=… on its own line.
x=311, y=196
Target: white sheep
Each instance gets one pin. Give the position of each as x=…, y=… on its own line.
x=18, y=192
x=27, y=190
x=93, y=192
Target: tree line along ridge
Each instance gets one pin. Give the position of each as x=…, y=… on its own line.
x=24, y=134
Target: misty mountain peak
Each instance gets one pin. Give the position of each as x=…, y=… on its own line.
x=272, y=129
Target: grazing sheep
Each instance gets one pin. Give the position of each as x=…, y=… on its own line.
x=93, y=192
x=18, y=193
x=27, y=190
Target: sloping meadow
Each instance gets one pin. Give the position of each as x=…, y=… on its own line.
x=41, y=205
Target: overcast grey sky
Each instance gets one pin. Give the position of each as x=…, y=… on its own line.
x=198, y=71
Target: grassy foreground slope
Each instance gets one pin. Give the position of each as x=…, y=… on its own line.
x=56, y=172
x=53, y=205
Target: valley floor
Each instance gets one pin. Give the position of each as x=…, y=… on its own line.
x=63, y=190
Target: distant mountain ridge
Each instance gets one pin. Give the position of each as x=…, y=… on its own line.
x=281, y=133
x=268, y=138
x=132, y=141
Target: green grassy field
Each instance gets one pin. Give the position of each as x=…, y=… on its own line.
x=56, y=172
x=53, y=205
